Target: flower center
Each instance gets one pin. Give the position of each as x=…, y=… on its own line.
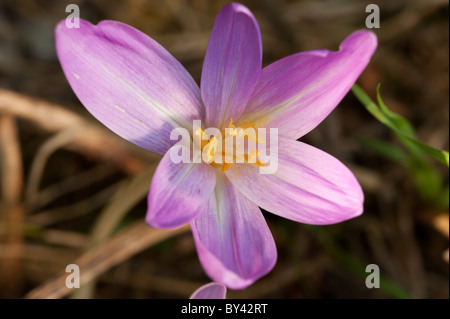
x=233, y=145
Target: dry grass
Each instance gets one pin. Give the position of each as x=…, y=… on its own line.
x=59, y=166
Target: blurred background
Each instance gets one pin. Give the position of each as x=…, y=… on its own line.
x=72, y=192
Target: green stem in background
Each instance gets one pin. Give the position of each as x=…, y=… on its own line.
x=427, y=178
x=397, y=123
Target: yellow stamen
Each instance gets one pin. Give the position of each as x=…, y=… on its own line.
x=225, y=166
x=211, y=145
x=248, y=124
x=211, y=148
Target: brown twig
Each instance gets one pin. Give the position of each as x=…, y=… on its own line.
x=11, y=169
x=38, y=166
x=43, y=254
x=11, y=173
x=72, y=184
x=93, y=141
x=80, y=208
x=125, y=198
x=127, y=243
x=49, y=236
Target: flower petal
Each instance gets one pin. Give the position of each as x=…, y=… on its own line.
x=178, y=191
x=213, y=290
x=128, y=81
x=233, y=241
x=309, y=186
x=232, y=65
x=296, y=93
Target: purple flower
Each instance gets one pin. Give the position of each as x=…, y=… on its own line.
x=213, y=290
x=137, y=89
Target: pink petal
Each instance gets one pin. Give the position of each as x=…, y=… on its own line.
x=296, y=93
x=309, y=186
x=213, y=290
x=232, y=65
x=128, y=81
x=178, y=192
x=233, y=241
